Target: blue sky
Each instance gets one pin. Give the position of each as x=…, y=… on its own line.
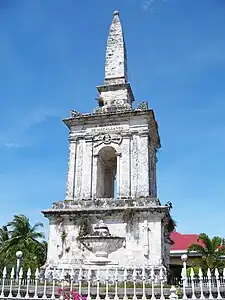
x=52, y=57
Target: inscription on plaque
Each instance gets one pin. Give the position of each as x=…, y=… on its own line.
x=107, y=128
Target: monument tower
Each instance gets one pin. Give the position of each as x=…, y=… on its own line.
x=111, y=215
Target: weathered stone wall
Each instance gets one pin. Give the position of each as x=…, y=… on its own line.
x=87, y=169
x=80, y=167
x=124, y=168
x=136, y=160
x=140, y=166
x=143, y=241
x=143, y=175
x=119, y=96
x=152, y=169
x=70, y=187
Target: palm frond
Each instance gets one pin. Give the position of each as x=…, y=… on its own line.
x=36, y=226
x=216, y=242
x=198, y=248
x=206, y=241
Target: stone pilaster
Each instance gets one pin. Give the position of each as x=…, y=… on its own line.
x=152, y=166
x=118, y=177
x=155, y=235
x=87, y=168
x=143, y=175
x=125, y=168
x=71, y=170
x=94, y=175
x=79, y=168
x=134, y=166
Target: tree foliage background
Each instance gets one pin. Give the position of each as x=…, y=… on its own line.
x=212, y=252
x=17, y=235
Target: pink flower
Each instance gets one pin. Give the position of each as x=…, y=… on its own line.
x=75, y=295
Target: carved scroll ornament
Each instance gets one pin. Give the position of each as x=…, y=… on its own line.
x=107, y=139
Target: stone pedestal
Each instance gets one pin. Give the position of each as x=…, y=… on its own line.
x=138, y=221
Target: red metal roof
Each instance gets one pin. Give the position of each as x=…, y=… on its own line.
x=183, y=241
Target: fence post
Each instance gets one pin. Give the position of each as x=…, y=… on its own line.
x=3, y=282
x=173, y=295
x=19, y=255
x=184, y=258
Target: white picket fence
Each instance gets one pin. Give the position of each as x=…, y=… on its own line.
x=110, y=284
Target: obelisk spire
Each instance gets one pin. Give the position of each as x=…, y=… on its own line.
x=116, y=57
x=116, y=93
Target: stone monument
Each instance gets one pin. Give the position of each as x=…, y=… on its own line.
x=111, y=215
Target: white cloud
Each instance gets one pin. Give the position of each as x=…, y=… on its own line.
x=148, y=4
x=13, y=145
x=18, y=133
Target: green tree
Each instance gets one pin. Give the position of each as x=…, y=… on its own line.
x=22, y=231
x=26, y=238
x=171, y=225
x=4, y=235
x=210, y=250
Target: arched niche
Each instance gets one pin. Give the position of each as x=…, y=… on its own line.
x=106, y=172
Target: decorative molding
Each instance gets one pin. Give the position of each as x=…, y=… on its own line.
x=74, y=114
x=143, y=133
x=126, y=135
x=73, y=139
x=88, y=138
x=143, y=105
x=107, y=139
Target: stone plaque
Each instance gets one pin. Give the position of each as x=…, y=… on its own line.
x=107, y=128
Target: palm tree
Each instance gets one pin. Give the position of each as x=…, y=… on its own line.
x=25, y=237
x=211, y=251
x=40, y=253
x=4, y=235
x=22, y=232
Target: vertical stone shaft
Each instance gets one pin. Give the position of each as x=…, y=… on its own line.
x=116, y=58
x=71, y=171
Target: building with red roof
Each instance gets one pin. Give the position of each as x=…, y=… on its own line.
x=181, y=242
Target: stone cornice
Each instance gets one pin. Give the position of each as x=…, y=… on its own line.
x=94, y=119
x=126, y=134
x=88, y=138
x=107, y=117
x=107, y=205
x=157, y=210
x=73, y=140
x=144, y=133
